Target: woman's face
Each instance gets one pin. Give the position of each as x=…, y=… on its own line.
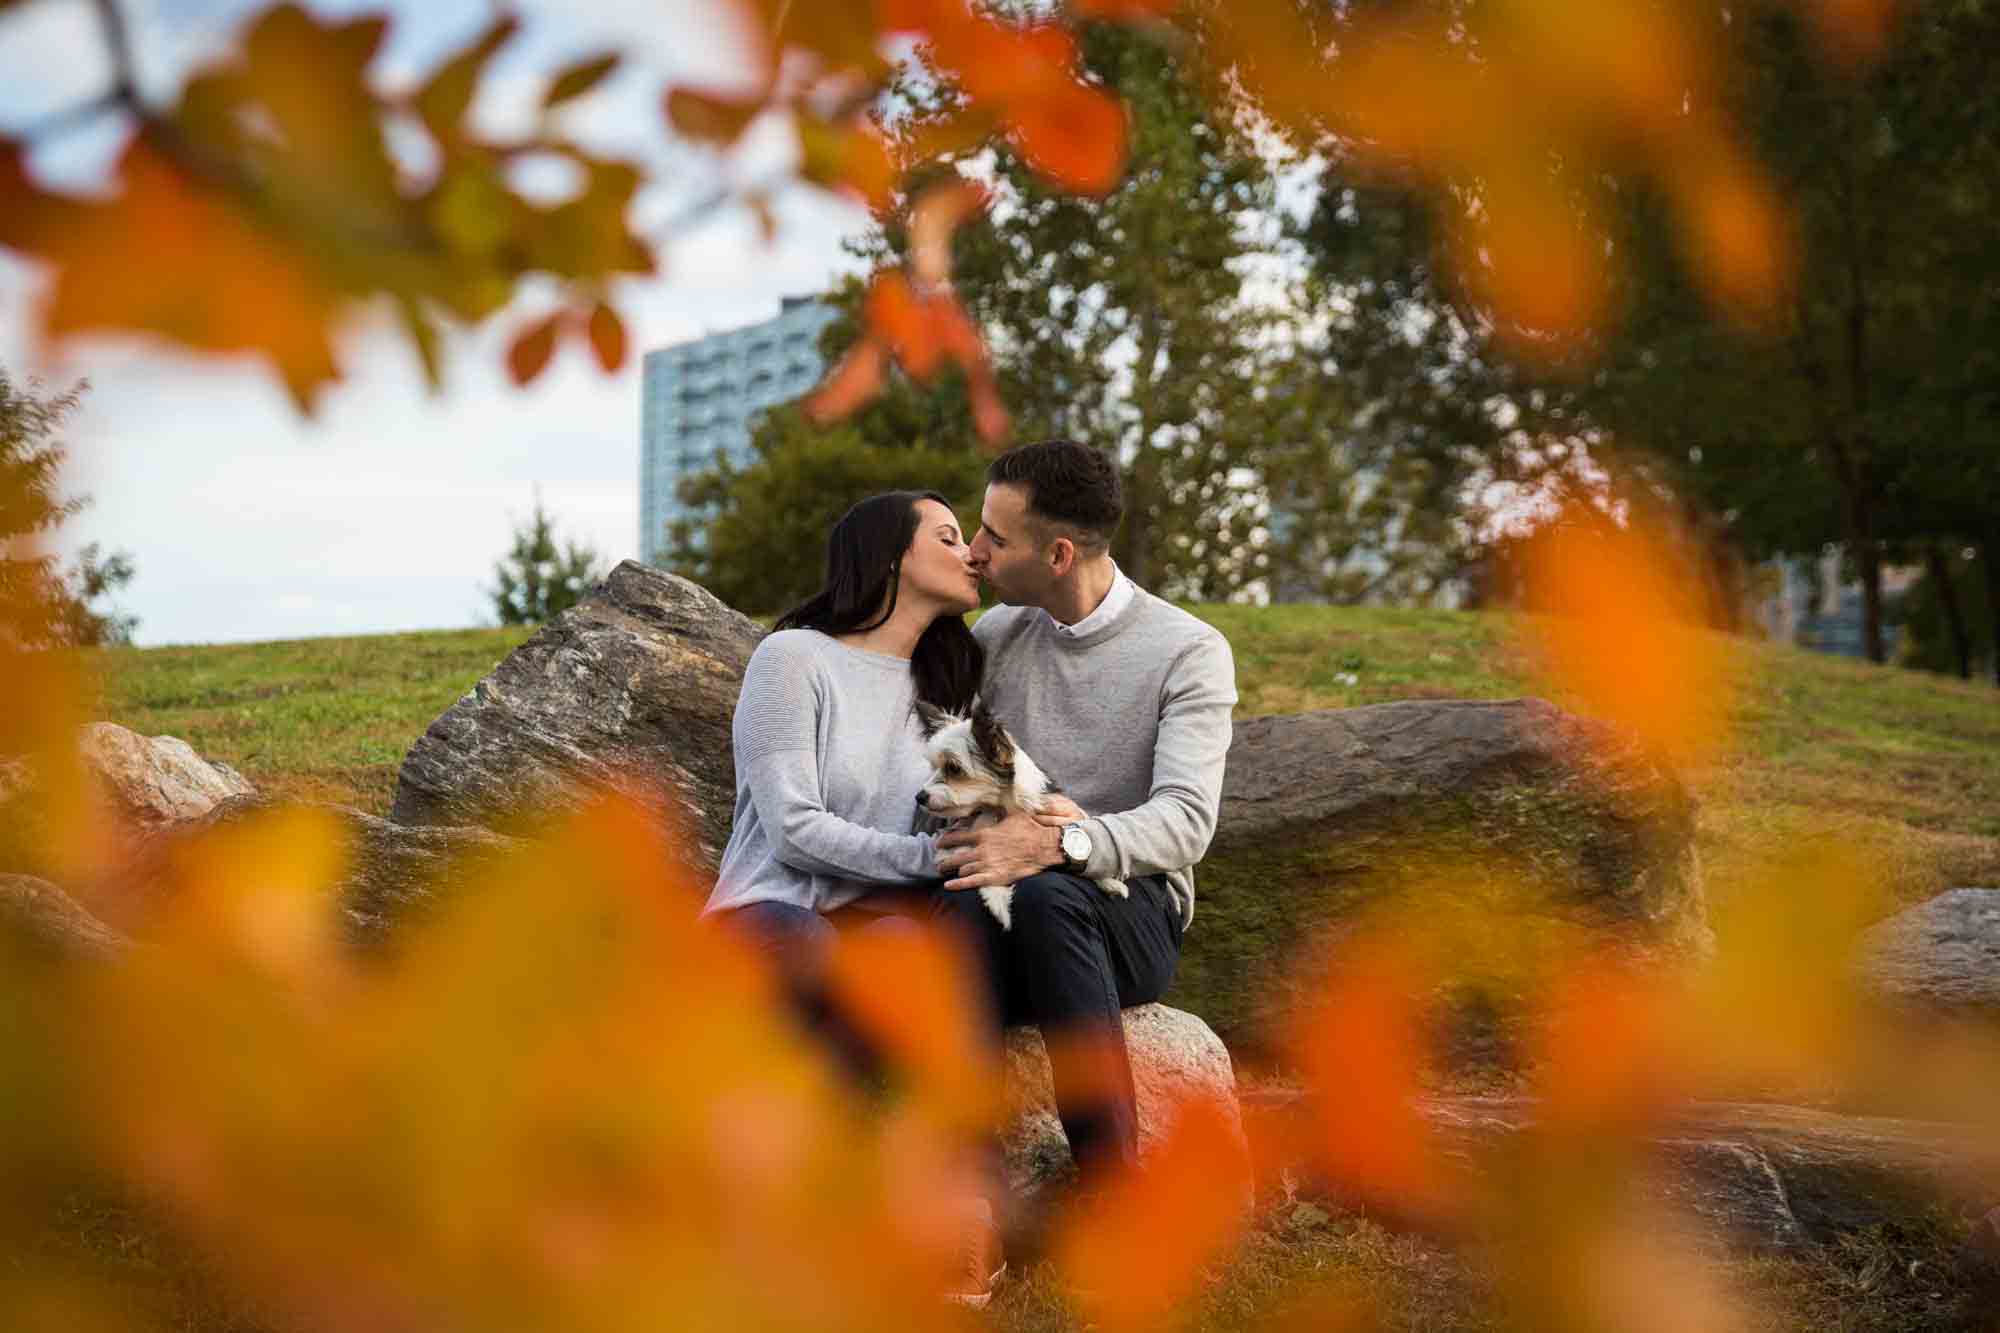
x=935, y=568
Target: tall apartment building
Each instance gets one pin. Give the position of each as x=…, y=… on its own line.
x=701, y=397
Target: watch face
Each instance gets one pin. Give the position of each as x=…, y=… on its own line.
x=1076, y=844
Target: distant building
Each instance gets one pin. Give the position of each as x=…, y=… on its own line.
x=1816, y=608
x=702, y=397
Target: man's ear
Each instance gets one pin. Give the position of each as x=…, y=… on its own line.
x=1062, y=556
x=931, y=718
x=991, y=738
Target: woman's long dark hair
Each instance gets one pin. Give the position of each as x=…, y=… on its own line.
x=864, y=564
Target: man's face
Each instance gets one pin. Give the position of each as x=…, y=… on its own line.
x=1005, y=552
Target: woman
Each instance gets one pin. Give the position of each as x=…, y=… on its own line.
x=829, y=752
x=829, y=760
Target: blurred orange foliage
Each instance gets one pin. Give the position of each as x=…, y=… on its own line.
x=1618, y=625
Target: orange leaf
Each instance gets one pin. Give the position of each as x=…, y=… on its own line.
x=1360, y=1047
x=532, y=349
x=607, y=338
x=1076, y=139
x=934, y=219
x=709, y=117
x=1139, y=1249
x=849, y=385
x=990, y=416
x=1620, y=630
x=1602, y=1050
x=1543, y=270
x=911, y=991
x=170, y=256
x=895, y=316
x=1738, y=236
x=852, y=156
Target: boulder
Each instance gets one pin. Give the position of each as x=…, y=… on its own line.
x=1748, y=1177
x=154, y=780
x=1326, y=813
x=1943, y=954
x=1173, y=1055
x=632, y=688
x=51, y=923
x=140, y=783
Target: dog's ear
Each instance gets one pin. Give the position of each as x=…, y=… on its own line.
x=931, y=718
x=991, y=738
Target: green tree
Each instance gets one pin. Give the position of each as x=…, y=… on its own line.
x=1858, y=419
x=42, y=603
x=1128, y=321
x=1406, y=412
x=537, y=580
x=1122, y=321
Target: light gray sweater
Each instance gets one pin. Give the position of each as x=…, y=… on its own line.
x=829, y=760
x=1131, y=718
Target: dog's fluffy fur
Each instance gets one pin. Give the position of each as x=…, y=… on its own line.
x=978, y=776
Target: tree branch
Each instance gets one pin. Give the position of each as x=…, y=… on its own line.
x=118, y=36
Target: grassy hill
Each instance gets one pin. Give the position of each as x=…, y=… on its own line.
x=1904, y=762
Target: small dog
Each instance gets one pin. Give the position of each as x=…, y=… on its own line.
x=978, y=776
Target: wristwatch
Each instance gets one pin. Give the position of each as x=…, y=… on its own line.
x=1075, y=847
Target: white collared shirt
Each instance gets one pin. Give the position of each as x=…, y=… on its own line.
x=1116, y=598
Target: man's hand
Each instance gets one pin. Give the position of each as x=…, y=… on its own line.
x=1059, y=810
x=1004, y=853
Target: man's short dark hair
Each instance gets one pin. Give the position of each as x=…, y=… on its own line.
x=1069, y=485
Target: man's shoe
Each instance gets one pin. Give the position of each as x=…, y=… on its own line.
x=980, y=1261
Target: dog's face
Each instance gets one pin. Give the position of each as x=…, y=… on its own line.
x=972, y=763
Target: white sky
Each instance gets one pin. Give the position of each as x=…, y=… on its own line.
x=387, y=511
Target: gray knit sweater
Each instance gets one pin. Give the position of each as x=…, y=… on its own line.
x=829, y=759
x=1132, y=718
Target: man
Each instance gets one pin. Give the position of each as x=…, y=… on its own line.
x=1125, y=700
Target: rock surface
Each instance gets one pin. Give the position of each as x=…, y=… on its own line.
x=1324, y=812
x=1754, y=1176
x=1942, y=954
x=632, y=688
x=154, y=780
x=50, y=922
x=394, y=873
x=1173, y=1054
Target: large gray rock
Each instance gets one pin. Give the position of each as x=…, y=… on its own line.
x=633, y=688
x=52, y=924
x=1752, y=1177
x=1328, y=812
x=154, y=780
x=1174, y=1055
x=1942, y=954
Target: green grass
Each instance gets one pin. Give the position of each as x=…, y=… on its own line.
x=305, y=719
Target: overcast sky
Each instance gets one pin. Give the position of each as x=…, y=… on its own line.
x=387, y=511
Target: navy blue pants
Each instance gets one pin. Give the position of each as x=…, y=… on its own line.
x=1075, y=957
